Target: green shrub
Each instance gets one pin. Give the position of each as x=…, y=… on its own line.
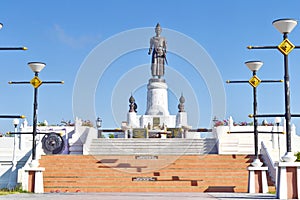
x=298, y=156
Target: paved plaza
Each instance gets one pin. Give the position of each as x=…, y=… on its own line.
x=137, y=196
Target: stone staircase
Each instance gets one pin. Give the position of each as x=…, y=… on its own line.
x=145, y=173
x=151, y=146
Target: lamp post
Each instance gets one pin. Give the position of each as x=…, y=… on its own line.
x=215, y=119
x=14, y=162
x=254, y=81
x=36, y=67
x=12, y=176
x=277, y=122
x=285, y=26
x=98, y=125
x=254, y=66
x=16, y=123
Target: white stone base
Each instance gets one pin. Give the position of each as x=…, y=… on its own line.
x=34, y=163
x=132, y=120
x=252, y=182
x=288, y=187
x=289, y=157
x=38, y=179
x=256, y=163
x=168, y=120
x=157, y=97
x=181, y=119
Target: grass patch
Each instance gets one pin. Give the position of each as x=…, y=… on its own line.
x=16, y=190
x=7, y=192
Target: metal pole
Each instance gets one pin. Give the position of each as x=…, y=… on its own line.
x=287, y=101
x=255, y=121
x=278, y=142
x=13, y=48
x=15, y=147
x=273, y=140
x=12, y=176
x=12, y=116
x=35, y=105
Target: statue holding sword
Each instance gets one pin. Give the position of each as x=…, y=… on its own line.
x=158, y=47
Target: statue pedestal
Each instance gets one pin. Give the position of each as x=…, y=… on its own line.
x=181, y=119
x=288, y=180
x=257, y=180
x=132, y=120
x=157, y=113
x=157, y=121
x=157, y=97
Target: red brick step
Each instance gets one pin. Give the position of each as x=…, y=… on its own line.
x=115, y=173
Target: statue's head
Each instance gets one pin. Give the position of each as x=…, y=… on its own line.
x=158, y=28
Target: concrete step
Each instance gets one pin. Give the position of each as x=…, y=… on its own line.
x=157, y=146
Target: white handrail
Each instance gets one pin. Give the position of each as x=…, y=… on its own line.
x=272, y=169
x=87, y=137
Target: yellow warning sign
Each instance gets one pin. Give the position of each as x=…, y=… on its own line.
x=36, y=82
x=254, y=81
x=286, y=47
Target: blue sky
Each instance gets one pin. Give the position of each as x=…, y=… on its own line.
x=62, y=33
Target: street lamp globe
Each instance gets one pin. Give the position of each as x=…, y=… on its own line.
x=36, y=67
x=1, y=25
x=16, y=122
x=284, y=26
x=254, y=65
x=277, y=120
